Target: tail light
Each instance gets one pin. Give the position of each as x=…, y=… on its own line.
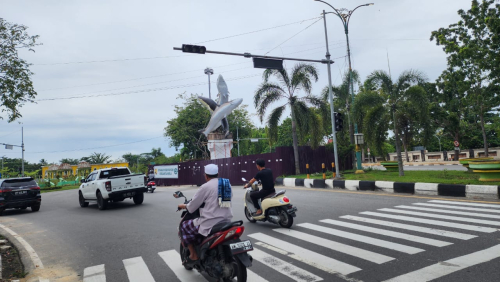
x=4, y=190
x=286, y=200
x=108, y=185
x=35, y=188
x=232, y=233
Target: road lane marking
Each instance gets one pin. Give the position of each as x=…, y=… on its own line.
x=497, y=206
x=285, y=268
x=363, y=239
x=451, y=212
x=173, y=259
x=319, y=261
x=336, y=246
x=447, y=267
x=422, y=229
x=94, y=274
x=137, y=270
x=434, y=222
x=399, y=235
x=37, y=262
x=456, y=218
x=457, y=208
x=252, y=276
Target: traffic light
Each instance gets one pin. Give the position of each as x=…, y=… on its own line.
x=339, y=122
x=186, y=48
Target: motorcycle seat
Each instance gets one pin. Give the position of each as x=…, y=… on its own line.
x=274, y=195
x=221, y=226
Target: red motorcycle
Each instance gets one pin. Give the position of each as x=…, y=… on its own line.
x=222, y=255
x=151, y=186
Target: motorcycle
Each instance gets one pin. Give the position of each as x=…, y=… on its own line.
x=151, y=186
x=222, y=255
x=276, y=208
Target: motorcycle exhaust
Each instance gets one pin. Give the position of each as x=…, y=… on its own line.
x=274, y=219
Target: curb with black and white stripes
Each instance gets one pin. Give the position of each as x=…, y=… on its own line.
x=429, y=189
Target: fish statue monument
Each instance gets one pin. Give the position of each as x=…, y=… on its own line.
x=219, y=144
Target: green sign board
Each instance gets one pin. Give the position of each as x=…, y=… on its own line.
x=153, y=163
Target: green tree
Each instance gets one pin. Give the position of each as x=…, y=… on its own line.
x=16, y=87
x=97, y=158
x=288, y=85
x=69, y=161
x=396, y=94
x=472, y=45
x=183, y=130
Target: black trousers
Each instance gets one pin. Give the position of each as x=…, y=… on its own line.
x=256, y=195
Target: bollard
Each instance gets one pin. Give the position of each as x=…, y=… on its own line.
x=324, y=170
x=333, y=169
x=307, y=171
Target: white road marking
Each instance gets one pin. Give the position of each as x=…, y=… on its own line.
x=173, y=259
x=434, y=222
x=422, y=229
x=137, y=270
x=33, y=255
x=363, y=239
x=451, y=212
x=336, y=246
x=94, y=274
x=285, y=268
x=456, y=218
x=309, y=257
x=457, y=208
x=465, y=204
x=252, y=276
x=447, y=267
x=399, y=235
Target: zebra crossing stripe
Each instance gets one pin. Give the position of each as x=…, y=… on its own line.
x=447, y=267
x=137, y=270
x=456, y=218
x=285, y=268
x=451, y=212
x=339, y=247
x=399, y=235
x=434, y=222
x=94, y=274
x=364, y=239
x=173, y=259
x=465, y=204
x=319, y=261
x=422, y=229
x=457, y=208
x=252, y=276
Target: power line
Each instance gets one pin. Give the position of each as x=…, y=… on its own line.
x=116, y=60
x=9, y=133
x=293, y=35
x=250, y=32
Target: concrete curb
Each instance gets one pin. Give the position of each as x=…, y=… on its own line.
x=432, y=189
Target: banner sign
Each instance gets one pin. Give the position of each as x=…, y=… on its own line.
x=167, y=171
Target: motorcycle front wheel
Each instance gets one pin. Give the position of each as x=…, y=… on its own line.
x=184, y=253
x=249, y=216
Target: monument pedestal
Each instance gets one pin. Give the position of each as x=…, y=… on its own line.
x=219, y=145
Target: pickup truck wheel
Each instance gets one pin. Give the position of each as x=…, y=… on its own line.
x=35, y=208
x=101, y=203
x=139, y=198
x=83, y=204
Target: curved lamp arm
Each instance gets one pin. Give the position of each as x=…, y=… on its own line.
x=350, y=12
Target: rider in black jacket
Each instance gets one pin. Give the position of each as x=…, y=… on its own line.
x=265, y=175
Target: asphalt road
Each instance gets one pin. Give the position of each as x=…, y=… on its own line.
x=70, y=239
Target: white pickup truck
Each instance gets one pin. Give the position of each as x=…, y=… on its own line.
x=112, y=184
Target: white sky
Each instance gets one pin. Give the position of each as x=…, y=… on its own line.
x=92, y=30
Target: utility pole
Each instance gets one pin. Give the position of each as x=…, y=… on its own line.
x=209, y=71
x=238, y=140
x=330, y=97
x=22, y=148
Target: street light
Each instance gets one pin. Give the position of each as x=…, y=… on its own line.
x=209, y=71
x=10, y=147
x=345, y=16
x=439, y=142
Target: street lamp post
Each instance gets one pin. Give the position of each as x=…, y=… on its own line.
x=209, y=71
x=10, y=146
x=439, y=142
x=345, y=16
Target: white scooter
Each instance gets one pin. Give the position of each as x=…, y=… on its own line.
x=276, y=208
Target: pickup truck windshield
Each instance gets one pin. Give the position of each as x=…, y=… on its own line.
x=16, y=183
x=114, y=172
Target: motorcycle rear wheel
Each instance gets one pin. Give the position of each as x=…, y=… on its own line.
x=183, y=256
x=241, y=272
x=286, y=220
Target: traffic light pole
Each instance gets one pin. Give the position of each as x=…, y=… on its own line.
x=330, y=98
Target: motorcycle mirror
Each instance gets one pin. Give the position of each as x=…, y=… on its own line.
x=178, y=194
x=243, y=178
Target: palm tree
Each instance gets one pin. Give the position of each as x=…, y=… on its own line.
x=303, y=118
x=396, y=95
x=97, y=158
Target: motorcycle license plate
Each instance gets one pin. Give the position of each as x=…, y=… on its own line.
x=240, y=247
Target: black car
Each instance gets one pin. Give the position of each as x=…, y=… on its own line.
x=19, y=193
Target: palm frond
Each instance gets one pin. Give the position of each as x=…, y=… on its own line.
x=301, y=77
x=281, y=75
x=267, y=99
x=273, y=121
x=265, y=88
x=381, y=79
x=302, y=115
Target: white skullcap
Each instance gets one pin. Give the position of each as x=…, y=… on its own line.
x=211, y=169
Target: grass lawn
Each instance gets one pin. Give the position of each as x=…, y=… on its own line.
x=426, y=176
x=54, y=189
